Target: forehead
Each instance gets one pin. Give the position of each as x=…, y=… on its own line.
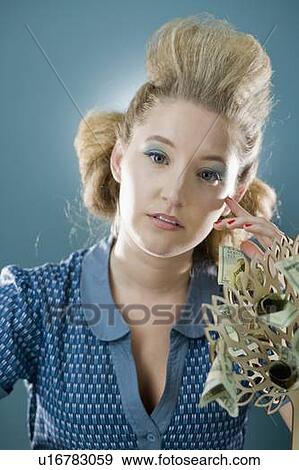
x=187, y=125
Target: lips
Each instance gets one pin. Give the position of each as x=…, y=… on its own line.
x=171, y=218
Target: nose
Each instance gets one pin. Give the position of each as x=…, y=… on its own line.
x=173, y=192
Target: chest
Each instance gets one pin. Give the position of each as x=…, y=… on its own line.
x=150, y=326
x=87, y=399
x=150, y=349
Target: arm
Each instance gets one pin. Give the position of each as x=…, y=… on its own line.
x=286, y=414
x=19, y=327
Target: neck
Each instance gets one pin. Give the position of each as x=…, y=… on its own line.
x=133, y=268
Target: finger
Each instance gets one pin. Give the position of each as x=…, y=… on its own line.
x=256, y=225
x=264, y=234
x=266, y=241
x=263, y=230
x=239, y=211
x=237, y=222
x=235, y=207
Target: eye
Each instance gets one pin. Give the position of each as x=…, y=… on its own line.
x=216, y=176
x=154, y=153
x=212, y=175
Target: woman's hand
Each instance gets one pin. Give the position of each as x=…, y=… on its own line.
x=263, y=230
x=266, y=233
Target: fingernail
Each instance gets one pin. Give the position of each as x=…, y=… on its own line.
x=247, y=225
x=231, y=221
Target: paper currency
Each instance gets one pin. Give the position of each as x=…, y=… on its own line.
x=290, y=268
x=283, y=318
x=275, y=310
x=284, y=372
x=231, y=265
x=220, y=385
x=271, y=303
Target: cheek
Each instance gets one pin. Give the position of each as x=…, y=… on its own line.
x=215, y=195
x=134, y=197
x=207, y=199
x=135, y=174
x=206, y=211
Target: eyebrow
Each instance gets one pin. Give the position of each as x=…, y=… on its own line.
x=166, y=141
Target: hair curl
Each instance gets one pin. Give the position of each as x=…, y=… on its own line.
x=207, y=61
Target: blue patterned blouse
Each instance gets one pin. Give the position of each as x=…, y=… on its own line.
x=61, y=332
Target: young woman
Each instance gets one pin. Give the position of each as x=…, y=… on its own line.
x=110, y=340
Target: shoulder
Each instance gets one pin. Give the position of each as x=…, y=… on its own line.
x=41, y=281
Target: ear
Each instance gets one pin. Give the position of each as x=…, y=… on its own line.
x=238, y=195
x=116, y=161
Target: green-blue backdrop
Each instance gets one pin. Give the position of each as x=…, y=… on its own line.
x=60, y=58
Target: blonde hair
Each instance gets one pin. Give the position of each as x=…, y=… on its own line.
x=207, y=61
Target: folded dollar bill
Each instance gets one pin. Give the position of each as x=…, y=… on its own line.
x=284, y=371
x=290, y=268
x=282, y=318
x=231, y=265
x=220, y=385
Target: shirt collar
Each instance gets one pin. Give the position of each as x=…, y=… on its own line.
x=101, y=313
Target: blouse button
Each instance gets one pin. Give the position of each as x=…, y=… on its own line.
x=151, y=437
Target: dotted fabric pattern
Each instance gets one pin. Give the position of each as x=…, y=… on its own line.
x=74, y=400
x=205, y=428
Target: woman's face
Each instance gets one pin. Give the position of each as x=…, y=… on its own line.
x=178, y=177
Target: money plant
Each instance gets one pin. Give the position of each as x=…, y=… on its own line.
x=254, y=336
